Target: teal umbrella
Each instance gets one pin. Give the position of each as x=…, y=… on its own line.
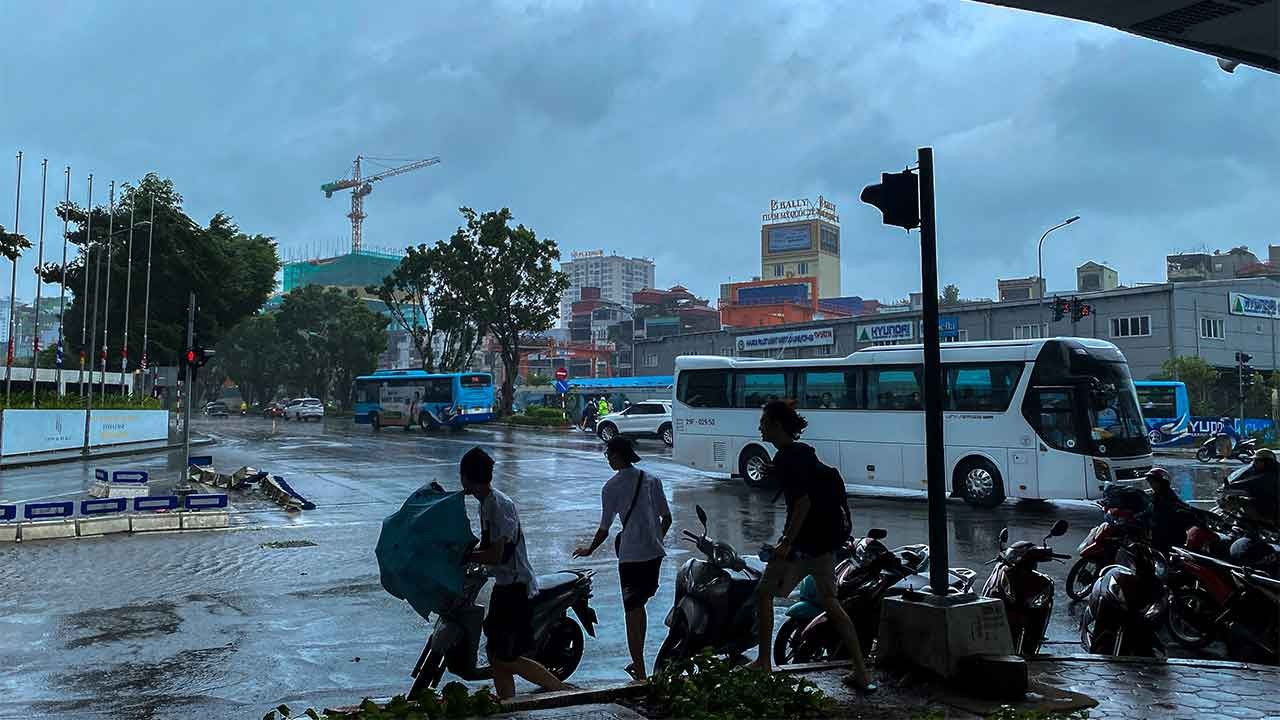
x=421, y=548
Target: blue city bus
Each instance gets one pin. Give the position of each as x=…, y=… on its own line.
x=1166, y=408
x=442, y=399
x=619, y=391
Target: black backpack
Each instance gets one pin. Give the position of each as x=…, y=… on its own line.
x=830, y=503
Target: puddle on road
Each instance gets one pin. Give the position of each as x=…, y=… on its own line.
x=128, y=689
x=130, y=622
x=350, y=590
x=280, y=544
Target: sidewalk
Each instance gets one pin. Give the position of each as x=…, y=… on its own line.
x=98, y=453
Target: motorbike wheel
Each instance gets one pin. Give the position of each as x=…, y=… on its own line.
x=561, y=649
x=1080, y=578
x=428, y=676
x=787, y=649
x=1204, y=454
x=674, y=647
x=1245, y=456
x=1191, y=617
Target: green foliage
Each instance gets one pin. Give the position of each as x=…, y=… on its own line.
x=537, y=419
x=541, y=411
x=950, y=295
x=231, y=272
x=251, y=355
x=324, y=339
x=12, y=244
x=537, y=379
x=710, y=688
x=455, y=701
x=74, y=401
x=1199, y=377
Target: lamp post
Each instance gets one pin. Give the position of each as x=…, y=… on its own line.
x=1040, y=262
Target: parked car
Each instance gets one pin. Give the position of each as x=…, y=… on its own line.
x=651, y=418
x=304, y=409
x=217, y=408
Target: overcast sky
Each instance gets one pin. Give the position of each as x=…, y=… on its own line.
x=658, y=129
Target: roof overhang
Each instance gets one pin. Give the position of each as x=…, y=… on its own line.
x=1243, y=32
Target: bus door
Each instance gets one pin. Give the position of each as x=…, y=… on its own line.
x=1059, y=465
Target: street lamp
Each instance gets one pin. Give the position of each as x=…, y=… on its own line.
x=1040, y=262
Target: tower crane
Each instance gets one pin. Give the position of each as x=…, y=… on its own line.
x=361, y=186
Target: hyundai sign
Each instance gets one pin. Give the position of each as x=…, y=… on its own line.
x=1263, y=306
x=815, y=337
x=887, y=332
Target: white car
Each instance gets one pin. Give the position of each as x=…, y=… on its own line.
x=304, y=409
x=649, y=418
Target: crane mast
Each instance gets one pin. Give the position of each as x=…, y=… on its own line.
x=361, y=186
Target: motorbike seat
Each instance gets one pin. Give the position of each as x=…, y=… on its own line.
x=556, y=583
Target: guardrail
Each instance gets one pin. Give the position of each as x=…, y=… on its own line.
x=103, y=516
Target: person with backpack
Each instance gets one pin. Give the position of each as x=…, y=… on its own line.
x=818, y=522
x=637, y=498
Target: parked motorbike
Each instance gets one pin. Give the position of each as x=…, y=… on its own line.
x=1097, y=551
x=715, y=601
x=1211, y=449
x=455, y=640
x=861, y=589
x=1027, y=594
x=1226, y=600
x=1127, y=605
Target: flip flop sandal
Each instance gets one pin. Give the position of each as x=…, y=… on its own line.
x=630, y=669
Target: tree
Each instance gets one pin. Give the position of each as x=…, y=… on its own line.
x=431, y=296
x=1200, y=378
x=250, y=354
x=231, y=272
x=522, y=289
x=325, y=338
x=535, y=379
x=950, y=295
x=12, y=244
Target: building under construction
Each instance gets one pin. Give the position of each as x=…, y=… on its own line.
x=356, y=270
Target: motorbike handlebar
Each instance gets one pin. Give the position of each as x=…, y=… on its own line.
x=1060, y=556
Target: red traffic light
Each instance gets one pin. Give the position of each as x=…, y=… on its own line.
x=191, y=357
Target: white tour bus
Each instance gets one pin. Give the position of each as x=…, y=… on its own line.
x=1049, y=418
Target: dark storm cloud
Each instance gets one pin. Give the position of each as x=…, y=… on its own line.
x=658, y=129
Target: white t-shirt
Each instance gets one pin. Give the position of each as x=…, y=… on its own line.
x=499, y=519
x=642, y=535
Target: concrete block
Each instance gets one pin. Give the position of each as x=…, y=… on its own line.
x=100, y=489
x=205, y=520
x=153, y=522
x=127, y=491
x=48, y=529
x=8, y=532
x=102, y=525
x=937, y=633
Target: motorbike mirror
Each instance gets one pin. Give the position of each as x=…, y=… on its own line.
x=877, y=534
x=702, y=516
x=1004, y=537
x=1059, y=529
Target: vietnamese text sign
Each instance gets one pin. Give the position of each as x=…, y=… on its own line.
x=948, y=326
x=814, y=337
x=28, y=431
x=887, y=332
x=789, y=238
x=1254, y=305
x=117, y=427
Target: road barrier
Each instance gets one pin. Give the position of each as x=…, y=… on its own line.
x=8, y=528
x=122, y=483
x=102, y=516
x=205, y=512
x=284, y=495
x=48, y=520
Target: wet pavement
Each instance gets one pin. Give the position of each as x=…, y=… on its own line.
x=231, y=622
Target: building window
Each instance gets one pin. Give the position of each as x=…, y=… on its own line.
x=777, y=270
x=651, y=360
x=802, y=268
x=960, y=336
x=1030, y=332
x=1213, y=328
x=1137, y=326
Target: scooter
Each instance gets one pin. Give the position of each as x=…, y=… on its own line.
x=454, y=643
x=1027, y=593
x=1098, y=550
x=715, y=602
x=1126, y=606
x=872, y=573
x=1242, y=451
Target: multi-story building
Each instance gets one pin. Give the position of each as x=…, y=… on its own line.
x=1093, y=276
x=617, y=277
x=1027, y=288
x=800, y=238
x=1150, y=324
x=773, y=302
x=1196, y=267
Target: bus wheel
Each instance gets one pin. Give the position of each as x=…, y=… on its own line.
x=667, y=435
x=980, y=483
x=751, y=466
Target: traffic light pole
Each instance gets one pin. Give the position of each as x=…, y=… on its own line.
x=935, y=457
x=188, y=391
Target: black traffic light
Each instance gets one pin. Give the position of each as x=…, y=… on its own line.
x=1242, y=364
x=897, y=196
x=195, y=357
x=1080, y=310
x=1061, y=308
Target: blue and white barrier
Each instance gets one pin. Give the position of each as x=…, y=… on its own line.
x=154, y=514
x=8, y=528
x=155, y=503
x=122, y=483
x=279, y=490
x=206, y=512
x=103, y=516
x=48, y=520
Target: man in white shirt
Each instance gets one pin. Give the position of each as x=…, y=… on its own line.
x=509, y=624
x=637, y=499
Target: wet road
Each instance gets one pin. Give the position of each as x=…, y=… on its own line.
x=229, y=623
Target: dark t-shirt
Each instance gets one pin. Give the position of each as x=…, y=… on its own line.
x=795, y=468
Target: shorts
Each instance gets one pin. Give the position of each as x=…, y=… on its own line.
x=782, y=576
x=639, y=582
x=509, y=624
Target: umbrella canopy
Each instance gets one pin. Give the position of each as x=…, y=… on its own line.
x=421, y=547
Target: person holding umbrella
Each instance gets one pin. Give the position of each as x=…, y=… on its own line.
x=509, y=624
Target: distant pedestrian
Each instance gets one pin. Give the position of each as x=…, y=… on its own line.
x=411, y=412
x=509, y=624
x=589, y=410
x=604, y=406
x=637, y=499
x=816, y=525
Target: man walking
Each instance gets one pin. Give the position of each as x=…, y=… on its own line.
x=637, y=499
x=813, y=530
x=509, y=624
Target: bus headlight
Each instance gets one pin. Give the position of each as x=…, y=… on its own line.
x=1101, y=470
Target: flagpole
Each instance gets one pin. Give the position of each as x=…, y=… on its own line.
x=106, y=300
x=128, y=295
x=62, y=296
x=84, y=299
x=35, y=324
x=146, y=305
x=97, y=285
x=13, y=289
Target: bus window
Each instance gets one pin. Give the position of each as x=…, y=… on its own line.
x=754, y=388
x=366, y=392
x=1158, y=401
x=704, y=388
x=438, y=390
x=829, y=389
x=894, y=388
x=981, y=388
x=1055, y=421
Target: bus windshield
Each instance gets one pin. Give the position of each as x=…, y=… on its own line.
x=1083, y=400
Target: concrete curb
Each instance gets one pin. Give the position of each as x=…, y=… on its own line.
x=535, y=428
x=23, y=462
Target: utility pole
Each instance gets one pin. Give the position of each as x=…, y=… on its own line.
x=62, y=298
x=146, y=304
x=128, y=297
x=13, y=289
x=934, y=453
x=106, y=300
x=188, y=392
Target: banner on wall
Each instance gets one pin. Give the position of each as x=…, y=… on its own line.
x=886, y=332
x=119, y=427
x=816, y=337
x=27, y=431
